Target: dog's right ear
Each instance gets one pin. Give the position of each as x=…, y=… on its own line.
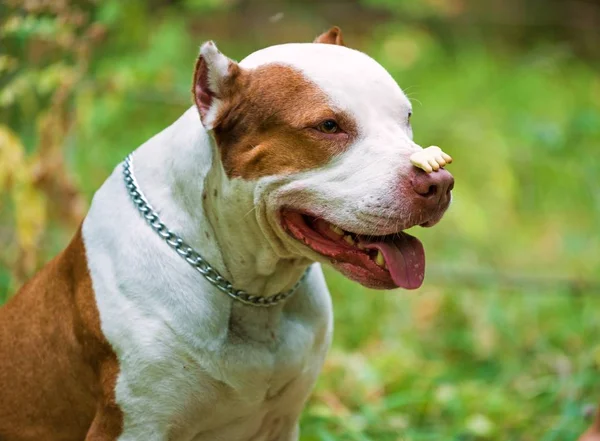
x=213, y=80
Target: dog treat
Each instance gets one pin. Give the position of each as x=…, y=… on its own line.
x=430, y=159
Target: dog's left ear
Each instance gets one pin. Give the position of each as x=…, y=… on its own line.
x=214, y=80
x=332, y=36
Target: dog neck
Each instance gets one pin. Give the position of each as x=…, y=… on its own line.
x=181, y=174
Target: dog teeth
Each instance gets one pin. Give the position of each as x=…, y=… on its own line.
x=360, y=246
x=337, y=230
x=349, y=239
x=379, y=260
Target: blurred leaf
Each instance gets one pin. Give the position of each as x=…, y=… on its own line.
x=18, y=177
x=29, y=26
x=206, y=6
x=11, y=156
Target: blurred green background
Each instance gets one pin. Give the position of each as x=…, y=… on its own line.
x=503, y=340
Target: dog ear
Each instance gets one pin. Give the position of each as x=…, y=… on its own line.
x=214, y=77
x=332, y=36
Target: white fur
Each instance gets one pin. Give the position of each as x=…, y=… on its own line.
x=217, y=63
x=217, y=66
x=194, y=364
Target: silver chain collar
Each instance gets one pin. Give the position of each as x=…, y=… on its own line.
x=191, y=256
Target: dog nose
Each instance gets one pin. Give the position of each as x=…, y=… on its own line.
x=435, y=187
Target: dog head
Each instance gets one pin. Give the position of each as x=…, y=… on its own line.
x=321, y=136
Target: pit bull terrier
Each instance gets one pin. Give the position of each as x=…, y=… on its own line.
x=191, y=305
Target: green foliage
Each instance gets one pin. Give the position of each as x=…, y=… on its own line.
x=500, y=344
x=523, y=130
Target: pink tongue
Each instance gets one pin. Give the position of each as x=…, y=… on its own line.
x=405, y=260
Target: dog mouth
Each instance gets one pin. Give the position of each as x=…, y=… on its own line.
x=384, y=262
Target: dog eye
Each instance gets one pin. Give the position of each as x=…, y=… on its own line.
x=409, y=115
x=328, y=126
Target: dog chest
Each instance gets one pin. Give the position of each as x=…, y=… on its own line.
x=243, y=389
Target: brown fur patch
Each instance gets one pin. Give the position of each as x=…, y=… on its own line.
x=332, y=36
x=58, y=372
x=267, y=124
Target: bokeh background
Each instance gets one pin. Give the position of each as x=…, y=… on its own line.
x=503, y=340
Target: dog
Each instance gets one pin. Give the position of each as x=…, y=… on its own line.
x=190, y=304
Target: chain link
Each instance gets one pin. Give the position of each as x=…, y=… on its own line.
x=188, y=253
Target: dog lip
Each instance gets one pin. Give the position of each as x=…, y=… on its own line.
x=363, y=218
x=297, y=224
x=358, y=255
x=399, y=227
x=432, y=220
